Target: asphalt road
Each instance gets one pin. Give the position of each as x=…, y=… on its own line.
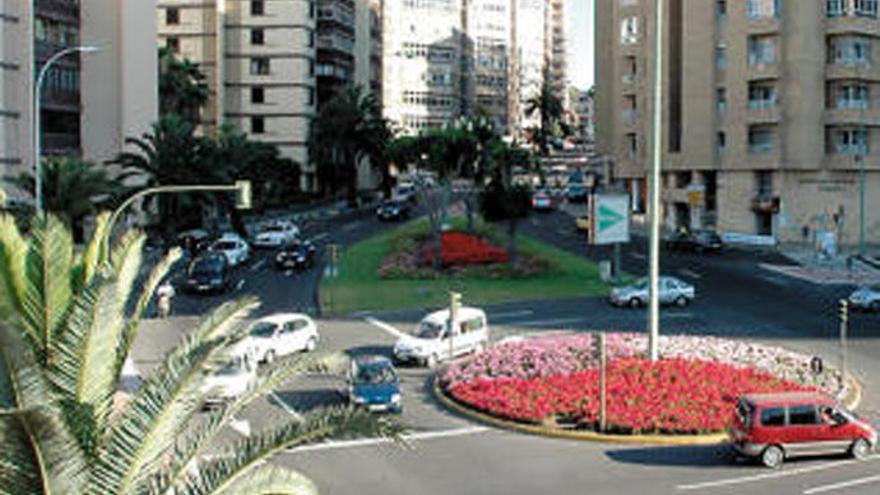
x=736, y=298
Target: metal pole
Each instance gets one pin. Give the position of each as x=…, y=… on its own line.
x=37, y=141
x=861, y=161
x=654, y=240
x=844, y=323
x=617, y=263
x=602, y=381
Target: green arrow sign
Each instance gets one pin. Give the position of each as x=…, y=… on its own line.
x=609, y=218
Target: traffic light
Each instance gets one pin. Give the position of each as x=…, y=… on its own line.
x=844, y=310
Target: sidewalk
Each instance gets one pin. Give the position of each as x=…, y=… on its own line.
x=820, y=270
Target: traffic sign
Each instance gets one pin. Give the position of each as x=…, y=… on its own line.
x=610, y=218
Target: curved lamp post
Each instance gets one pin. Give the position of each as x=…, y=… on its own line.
x=38, y=88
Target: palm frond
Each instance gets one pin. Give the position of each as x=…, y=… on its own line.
x=93, y=256
x=149, y=425
x=237, y=462
x=269, y=480
x=13, y=250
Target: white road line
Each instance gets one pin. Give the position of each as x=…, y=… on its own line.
x=777, y=474
x=428, y=435
x=690, y=273
x=320, y=237
x=639, y=256
x=676, y=315
x=557, y=321
x=256, y=266
x=239, y=285
x=289, y=410
x=512, y=314
x=842, y=485
x=384, y=326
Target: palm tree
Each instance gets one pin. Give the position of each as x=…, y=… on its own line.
x=63, y=426
x=549, y=107
x=348, y=129
x=502, y=199
x=72, y=189
x=183, y=88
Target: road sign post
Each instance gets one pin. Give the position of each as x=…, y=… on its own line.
x=454, y=304
x=844, y=324
x=609, y=224
x=602, y=381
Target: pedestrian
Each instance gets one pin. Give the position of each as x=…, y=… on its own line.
x=164, y=295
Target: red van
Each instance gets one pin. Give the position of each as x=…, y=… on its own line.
x=775, y=426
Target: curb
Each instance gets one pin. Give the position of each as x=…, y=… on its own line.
x=591, y=436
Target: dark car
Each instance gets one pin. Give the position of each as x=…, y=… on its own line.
x=541, y=201
x=576, y=193
x=373, y=383
x=393, y=210
x=210, y=273
x=298, y=255
x=698, y=241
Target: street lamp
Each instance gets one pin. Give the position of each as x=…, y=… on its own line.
x=38, y=171
x=654, y=239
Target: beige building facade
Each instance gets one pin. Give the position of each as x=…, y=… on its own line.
x=771, y=110
x=259, y=57
x=90, y=103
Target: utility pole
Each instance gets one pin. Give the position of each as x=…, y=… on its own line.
x=844, y=324
x=861, y=160
x=454, y=304
x=654, y=189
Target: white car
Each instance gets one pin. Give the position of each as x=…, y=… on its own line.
x=276, y=235
x=282, y=334
x=432, y=340
x=672, y=291
x=234, y=378
x=233, y=247
x=865, y=298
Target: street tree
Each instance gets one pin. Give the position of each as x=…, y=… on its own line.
x=549, y=108
x=502, y=199
x=66, y=424
x=183, y=87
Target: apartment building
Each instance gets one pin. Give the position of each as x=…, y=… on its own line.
x=557, y=50
x=771, y=109
x=368, y=46
x=488, y=54
x=89, y=103
x=259, y=57
x=532, y=58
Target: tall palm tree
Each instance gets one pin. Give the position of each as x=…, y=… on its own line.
x=72, y=189
x=62, y=425
x=549, y=108
x=183, y=88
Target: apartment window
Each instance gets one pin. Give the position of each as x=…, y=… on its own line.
x=721, y=141
x=835, y=8
x=632, y=145
x=172, y=16
x=258, y=95
x=762, y=50
x=258, y=7
x=258, y=36
x=682, y=179
x=757, y=9
x=852, y=95
x=866, y=8
x=311, y=68
x=311, y=10
x=630, y=68
x=721, y=56
x=721, y=11
x=258, y=125
x=259, y=66
x=760, y=140
x=629, y=108
x=173, y=44
x=311, y=97
x=721, y=101
x=852, y=141
x=629, y=30
x=850, y=50
x=762, y=95
x=311, y=38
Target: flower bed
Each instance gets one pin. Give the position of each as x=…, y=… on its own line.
x=460, y=249
x=690, y=390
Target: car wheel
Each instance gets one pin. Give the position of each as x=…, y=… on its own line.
x=269, y=358
x=860, y=449
x=772, y=457
x=681, y=301
x=311, y=345
x=634, y=302
x=431, y=361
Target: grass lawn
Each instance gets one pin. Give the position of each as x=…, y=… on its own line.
x=358, y=286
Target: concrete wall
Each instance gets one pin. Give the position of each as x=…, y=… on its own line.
x=16, y=90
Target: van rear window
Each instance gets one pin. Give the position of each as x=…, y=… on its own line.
x=773, y=416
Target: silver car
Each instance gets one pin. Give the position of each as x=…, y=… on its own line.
x=672, y=291
x=865, y=298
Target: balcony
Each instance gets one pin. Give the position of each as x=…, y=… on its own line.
x=337, y=44
x=849, y=24
x=852, y=115
x=765, y=203
x=763, y=25
x=757, y=69
x=864, y=71
x=59, y=144
x=763, y=112
x=59, y=10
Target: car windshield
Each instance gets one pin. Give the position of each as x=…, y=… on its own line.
x=263, y=329
x=391, y=204
x=375, y=374
x=233, y=368
x=744, y=411
x=428, y=330
x=225, y=245
x=641, y=284
x=206, y=267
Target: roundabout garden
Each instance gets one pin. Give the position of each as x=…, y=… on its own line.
x=552, y=383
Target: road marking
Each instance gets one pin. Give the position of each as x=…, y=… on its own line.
x=557, y=321
x=777, y=474
x=639, y=256
x=239, y=285
x=364, y=442
x=284, y=405
x=384, y=326
x=842, y=484
x=320, y=237
x=256, y=266
x=513, y=314
x=676, y=315
x=690, y=273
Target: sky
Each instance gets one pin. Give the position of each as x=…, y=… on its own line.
x=580, y=43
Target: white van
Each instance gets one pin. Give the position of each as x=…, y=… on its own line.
x=432, y=340
x=234, y=378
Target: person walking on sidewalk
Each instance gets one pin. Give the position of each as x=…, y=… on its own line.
x=164, y=295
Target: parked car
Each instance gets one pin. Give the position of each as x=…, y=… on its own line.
x=865, y=298
x=233, y=247
x=672, y=291
x=542, y=201
x=298, y=255
x=773, y=427
x=393, y=210
x=576, y=193
x=430, y=342
x=282, y=334
x=699, y=241
x=209, y=273
x=232, y=379
x=404, y=192
x=276, y=235
x=373, y=383
x=194, y=241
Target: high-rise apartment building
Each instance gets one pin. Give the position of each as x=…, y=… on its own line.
x=557, y=50
x=259, y=57
x=770, y=110
x=336, y=47
x=488, y=50
x=532, y=58
x=89, y=103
